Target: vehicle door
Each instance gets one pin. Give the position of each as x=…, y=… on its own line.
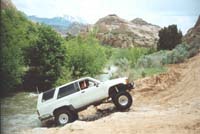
x=90, y=91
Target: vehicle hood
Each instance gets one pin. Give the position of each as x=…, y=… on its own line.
x=115, y=81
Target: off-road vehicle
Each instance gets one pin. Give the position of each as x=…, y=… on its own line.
x=64, y=102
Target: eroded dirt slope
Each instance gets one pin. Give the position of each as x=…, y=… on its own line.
x=163, y=104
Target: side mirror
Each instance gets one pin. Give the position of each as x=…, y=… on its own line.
x=96, y=84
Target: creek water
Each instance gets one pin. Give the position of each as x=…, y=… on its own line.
x=18, y=113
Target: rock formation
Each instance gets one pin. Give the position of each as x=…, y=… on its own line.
x=117, y=32
x=193, y=35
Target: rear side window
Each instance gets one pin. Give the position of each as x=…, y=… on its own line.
x=48, y=95
x=67, y=90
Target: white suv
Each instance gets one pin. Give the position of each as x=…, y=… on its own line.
x=64, y=102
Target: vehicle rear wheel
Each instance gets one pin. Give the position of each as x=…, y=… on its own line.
x=122, y=100
x=63, y=117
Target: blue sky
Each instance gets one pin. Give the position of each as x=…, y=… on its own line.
x=184, y=13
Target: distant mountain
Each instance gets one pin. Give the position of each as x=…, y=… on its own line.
x=63, y=25
x=117, y=32
x=76, y=28
x=75, y=19
x=59, y=21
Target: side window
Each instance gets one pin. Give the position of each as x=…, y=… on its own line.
x=76, y=86
x=67, y=90
x=48, y=95
x=86, y=83
x=83, y=84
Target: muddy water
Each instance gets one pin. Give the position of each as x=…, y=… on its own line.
x=18, y=113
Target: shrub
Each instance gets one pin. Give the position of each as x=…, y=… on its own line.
x=152, y=60
x=179, y=54
x=85, y=56
x=153, y=63
x=130, y=54
x=169, y=37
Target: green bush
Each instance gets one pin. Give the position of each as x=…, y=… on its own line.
x=179, y=54
x=152, y=60
x=153, y=63
x=85, y=56
x=130, y=54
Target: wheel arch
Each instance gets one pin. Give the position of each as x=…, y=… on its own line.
x=116, y=88
x=66, y=107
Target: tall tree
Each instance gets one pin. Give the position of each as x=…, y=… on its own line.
x=13, y=41
x=85, y=56
x=169, y=37
x=46, y=60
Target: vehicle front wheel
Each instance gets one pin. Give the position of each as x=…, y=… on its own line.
x=122, y=100
x=63, y=117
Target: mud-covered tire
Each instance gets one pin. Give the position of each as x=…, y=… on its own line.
x=122, y=100
x=63, y=117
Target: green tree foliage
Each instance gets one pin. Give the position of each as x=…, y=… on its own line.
x=85, y=56
x=35, y=56
x=14, y=39
x=69, y=36
x=169, y=37
x=129, y=54
x=46, y=58
x=179, y=54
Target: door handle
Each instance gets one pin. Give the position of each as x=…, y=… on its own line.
x=82, y=91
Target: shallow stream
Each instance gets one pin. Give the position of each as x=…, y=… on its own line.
x=18, y=112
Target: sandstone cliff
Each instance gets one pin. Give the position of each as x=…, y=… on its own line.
x=193, y=35
x=117, y=32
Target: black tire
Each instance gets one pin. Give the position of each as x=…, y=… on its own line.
x=63, y=117
x=122, y=101
x=75, y=116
